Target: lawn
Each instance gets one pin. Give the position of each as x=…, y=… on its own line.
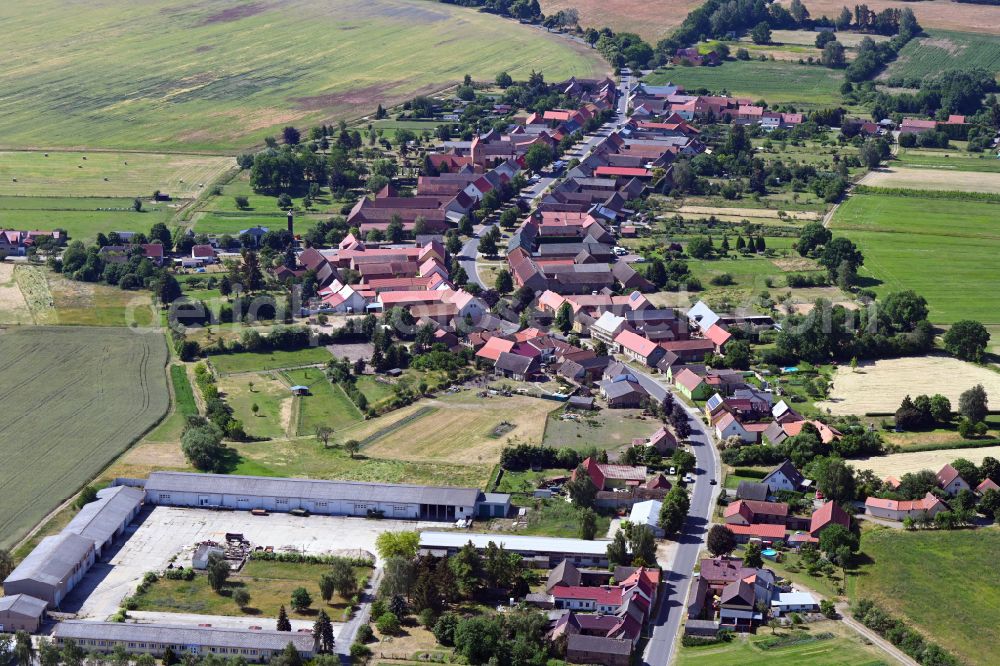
x=605, y=429
x=943, y=249
x=374, y=390
x=270, y=585
x=215, y=75
x=944, y=49
x=273, y=399
x=227, y=364
x=326, y=404
x=942, y=582
x=812, y=648
x=557, y=518
x=108, y=174
x=774, y=81
x=184, y=402
x=76, y=399
x=458, y=427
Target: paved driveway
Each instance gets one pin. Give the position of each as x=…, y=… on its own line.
x=162, y=533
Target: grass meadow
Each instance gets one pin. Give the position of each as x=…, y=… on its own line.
x=228, y=364
x=944, y=249
x=818, y=644
x=216, y=75
x=945, y=49
x=76, y=399
x=776, y=82
x=326, y=404
x=937, y=159
x=108, y=174
x=270, y=585
x=941, y=582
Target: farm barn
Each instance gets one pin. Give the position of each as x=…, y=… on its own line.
x=52, y=569
x=333, y=498
x=58, y=563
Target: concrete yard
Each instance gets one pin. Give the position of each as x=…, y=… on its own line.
x=226, y=621
x=160, y=533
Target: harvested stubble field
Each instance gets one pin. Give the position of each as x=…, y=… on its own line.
x=221, y=75
x=651, y=20
x=942, y=50
x=107, y=174
x=460, y=429
x=75, y=399
x=904, y=463
x=934, y=179
x=879, y=386
x=943, y=14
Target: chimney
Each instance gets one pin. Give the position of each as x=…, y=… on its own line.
x=290, y=226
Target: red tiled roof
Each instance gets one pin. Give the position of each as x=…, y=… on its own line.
x=638, y=172
x=494, y=347
x=718, y=335
x=636, y=343
x=828, y=514
x=761, y=530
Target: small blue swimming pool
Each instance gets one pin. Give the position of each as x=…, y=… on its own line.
x=769, y=552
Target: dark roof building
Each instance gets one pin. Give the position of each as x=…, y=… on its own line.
x=252, y=645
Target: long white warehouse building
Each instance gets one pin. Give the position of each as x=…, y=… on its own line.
x=335, y=498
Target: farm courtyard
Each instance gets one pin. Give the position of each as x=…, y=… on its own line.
x=75, y=399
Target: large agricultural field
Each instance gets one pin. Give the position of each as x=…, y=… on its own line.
x=941, y=248
x=935, y=179
x=937, y=160
x=897, y=464
x=107, y=174
x=773, y=81
x=75, y=399
x=941, y=582
x=650, y=20
x=222, y=75
x=943, y=14
x=942, y=49
x=879, y=386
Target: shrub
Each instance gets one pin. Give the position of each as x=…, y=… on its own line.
x=365, y=634
x=387, y=624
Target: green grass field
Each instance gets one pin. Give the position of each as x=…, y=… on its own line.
x=326, y=404
x=272, y=397
x=77, y=398
x=270, y=585
x=227, y=364
x=841, y=649
x=108, y=174
x=184, y=402
x=942, y=582
x=943, y=249
x=305, y=457
x=925, y=158
x=610, y=428
x=776, y=82
x=945, y=49
x=81, y=218
x=218, y=75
